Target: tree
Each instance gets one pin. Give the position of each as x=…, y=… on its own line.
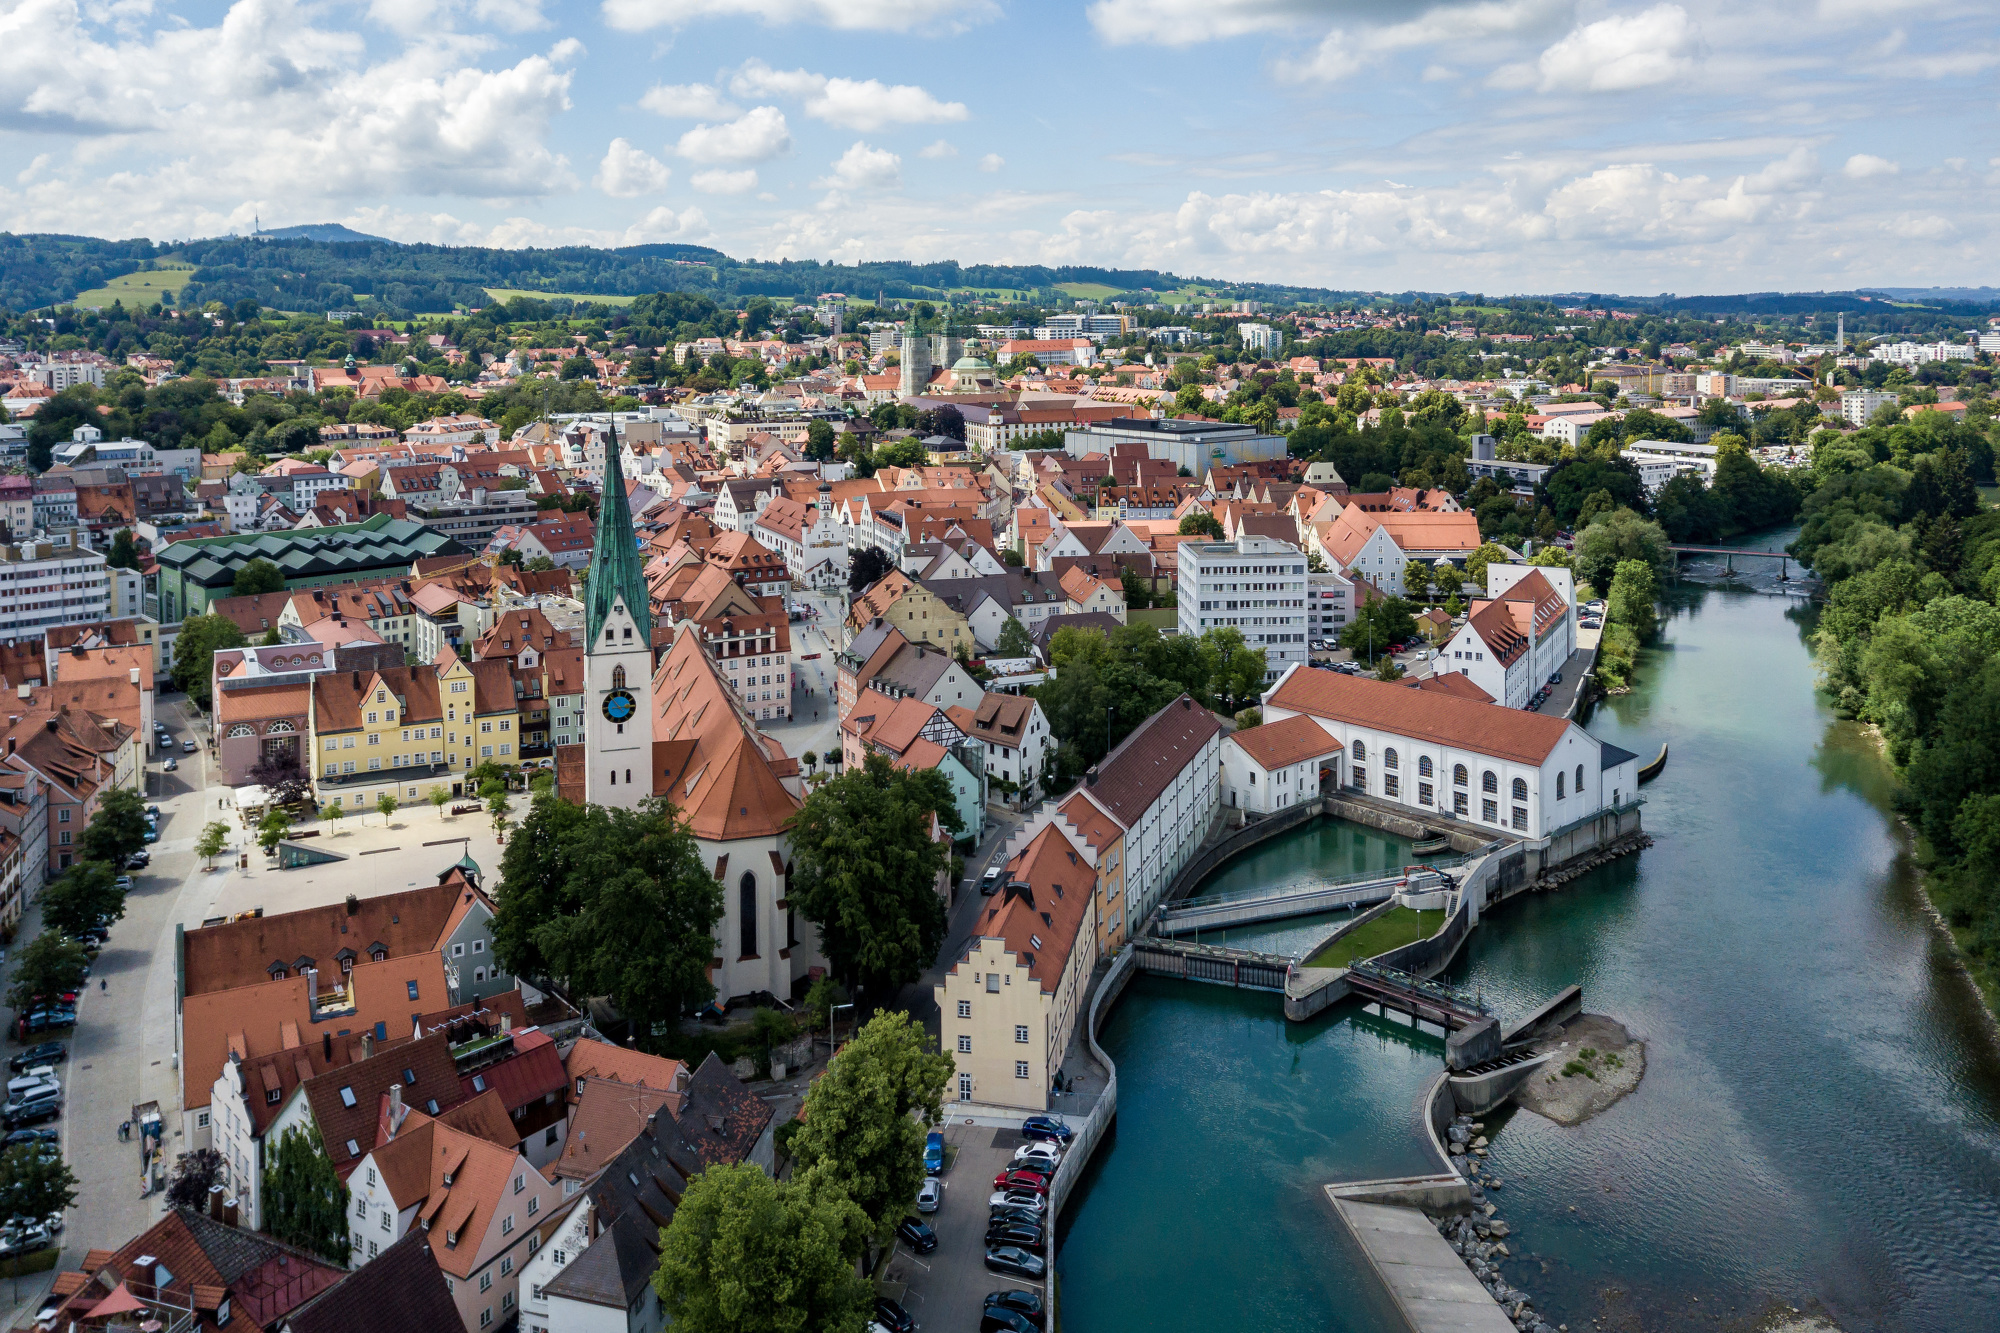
x=273, y=828
x=1389, y=669
x=85, y=896
x=1235, y=669
x=1631, y=600
x=1201, y=523
x=194, y=1174
x=819, y=441
x=194, y=653
x=439, y=798
x=331, y=813
x=1014, y=641
x=865, y=1117
x=279, y=773
x=214, y=837
x=117, y=830
x=51, y=964
x=745, y=1252
x=1417, y=578
x=258, y=576
x=615, y=902
x=1615, y=537
x=866, y=567
x=124, y=550
x=1482, y=556
x=386, y=804
x=539, y=564
x=865, y=870
x=497, y=805
x=35, y=1183
x=305, y=1203
x=1378, y=623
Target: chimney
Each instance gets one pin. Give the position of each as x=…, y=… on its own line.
x=506, y=1023
x=1090, y=776
x=229, y=1213
x=325, y=1038
x=312, y=997
x=133, y=675
x=215, y=1202
x=55, y=724
x=395, y=1107
x=367, y=1045
x=353, y=905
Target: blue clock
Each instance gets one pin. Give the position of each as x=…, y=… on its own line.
x=619, y=706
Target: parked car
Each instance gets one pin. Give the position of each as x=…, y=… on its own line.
x=1027, y=1235
x=893, y=1316
x=1556, y=679
x=48, y=1137
x=43, y=1020
x=933, y=1153
x=152, y=835
x=1008, y=1212
x=23, y=1240
x=1025, y=1303
x=930, y=1194
x=171, y=765
x=917, y=1234
x=1018, y=1198
x=997, y=1319
x=1022, y=1179
x=1039, y=1155
x=989, y=883
x=188, y=747
x=1015, y=1260
x=139, y=860
x=124, y=883
x=33, y=1110
x=1047, y=1127
x=47, y=1054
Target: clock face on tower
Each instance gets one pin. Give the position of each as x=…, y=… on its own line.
x=619, y=706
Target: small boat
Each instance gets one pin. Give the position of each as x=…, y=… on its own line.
x=1431, y=841
x=1652, y=770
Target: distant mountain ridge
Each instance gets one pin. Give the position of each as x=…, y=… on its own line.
x=320, y=231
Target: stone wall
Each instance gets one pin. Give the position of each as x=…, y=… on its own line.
x=1389, y=818
x=1091, y=1131
x=1209, y=858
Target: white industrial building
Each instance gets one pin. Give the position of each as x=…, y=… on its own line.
x=1256, y=585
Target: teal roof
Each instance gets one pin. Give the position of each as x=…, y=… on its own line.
x=615, y=570
x=303, y=553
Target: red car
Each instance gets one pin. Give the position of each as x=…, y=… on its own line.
x=1022, y=1179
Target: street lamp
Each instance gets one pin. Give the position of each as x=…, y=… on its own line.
x=832, y=1009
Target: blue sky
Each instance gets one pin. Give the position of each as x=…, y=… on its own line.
x=1503, y=145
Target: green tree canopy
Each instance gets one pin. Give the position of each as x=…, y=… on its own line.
x=865, y=1117
x=1201, y=523
x=258, y=576
x=1014, y=641
x=865, y=870
x=124, y=550
x=117, y=830
x=1379, y=622
x=1633, y=590
x=194, y=652
x=1615, y=537
x=51, y=964
x=614, y=902
x=34, y=1183
x=85, y=895
x=746, y=1252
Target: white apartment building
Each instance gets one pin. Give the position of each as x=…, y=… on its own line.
x=1329, y=604
x=1912, y=354
x=1659, y=461
x=1519, y=636
x=44, y=584
x=60, y=375
x=1857, y=405
x=1254, y=584
x=1261, y=339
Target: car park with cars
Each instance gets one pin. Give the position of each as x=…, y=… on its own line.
x=930, y=1194
x=1014, y=1260
x=1019, y=1178
x=47, y=1055
x=1047, y=1128
x=916, y=1234
x=893, y=1316
x=933, y=1153
x=1025, y=1303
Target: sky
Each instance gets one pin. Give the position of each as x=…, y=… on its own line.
x=1506, y=146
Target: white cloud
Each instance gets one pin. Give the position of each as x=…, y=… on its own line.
x=658, y=224
x=511, y=15
x=941, y=149
x=1920, y=227
x=1439, y=74
x=720, y=181
x=1467, y=27
x=992, y=162
x=757, y=136
x=1366, y=24
x=864, y=168
x=688, y=101
x=1864, y=165
x=1623, y=52
x=850, y=15
x=852, y=104
x=627, y=171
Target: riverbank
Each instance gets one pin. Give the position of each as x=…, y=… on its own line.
x=1597, y=1064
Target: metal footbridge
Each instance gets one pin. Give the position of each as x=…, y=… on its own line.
x=1433, y=1001
x=1191, y=915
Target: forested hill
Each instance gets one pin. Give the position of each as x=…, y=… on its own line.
x=299, y=273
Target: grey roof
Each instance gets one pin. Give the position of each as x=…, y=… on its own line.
x=1610, y=756
x=401, y=1290
x=615, y=1269
x=868, y=640
x=1016, y=587
x=1105, y=624
x=914, y=669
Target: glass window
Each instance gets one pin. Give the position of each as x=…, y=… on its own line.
x=1489, y=781
x=1389, y=758
x=1520, y=789
x=964, y=1044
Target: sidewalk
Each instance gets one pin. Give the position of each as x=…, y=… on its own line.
x=919, y=998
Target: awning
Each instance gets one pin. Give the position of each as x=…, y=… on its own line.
x=120, y=1301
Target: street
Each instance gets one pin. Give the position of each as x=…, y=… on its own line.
x=122, y=1049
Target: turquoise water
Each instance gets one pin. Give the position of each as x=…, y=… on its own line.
x=1820, y=1120
x=1329, y=849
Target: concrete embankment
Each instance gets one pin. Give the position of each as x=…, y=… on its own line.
x=1429, y=1283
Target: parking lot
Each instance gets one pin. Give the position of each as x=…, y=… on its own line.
x=945, y=1289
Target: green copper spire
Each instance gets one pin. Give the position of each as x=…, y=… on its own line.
x=615, y=570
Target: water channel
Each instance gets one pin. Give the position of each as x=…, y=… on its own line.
x=1819, y=1124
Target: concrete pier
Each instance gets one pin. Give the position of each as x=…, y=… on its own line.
x=1432, y=1287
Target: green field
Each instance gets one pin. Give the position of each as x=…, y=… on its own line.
x=1392, y=930
x=139, y=289
x=509, y=293
x=1164, y=618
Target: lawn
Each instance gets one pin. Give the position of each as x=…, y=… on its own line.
x=1392, y=930
x=1091, y=291
x=509, y=293
x=1163, y=618
x=139, y=289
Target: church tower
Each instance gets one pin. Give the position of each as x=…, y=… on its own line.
x=618, y=654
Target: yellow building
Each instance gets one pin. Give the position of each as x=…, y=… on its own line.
x=1008, y=1006
x=409, y=731
x=914, y=610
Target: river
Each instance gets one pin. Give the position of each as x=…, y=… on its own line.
x=1819, y=1124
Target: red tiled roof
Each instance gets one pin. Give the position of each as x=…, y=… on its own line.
x=1278, y=745
x=1505, y=733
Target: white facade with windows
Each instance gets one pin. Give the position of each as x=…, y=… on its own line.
x=1256, y=585
x=1329, y=605
x=44, y=584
